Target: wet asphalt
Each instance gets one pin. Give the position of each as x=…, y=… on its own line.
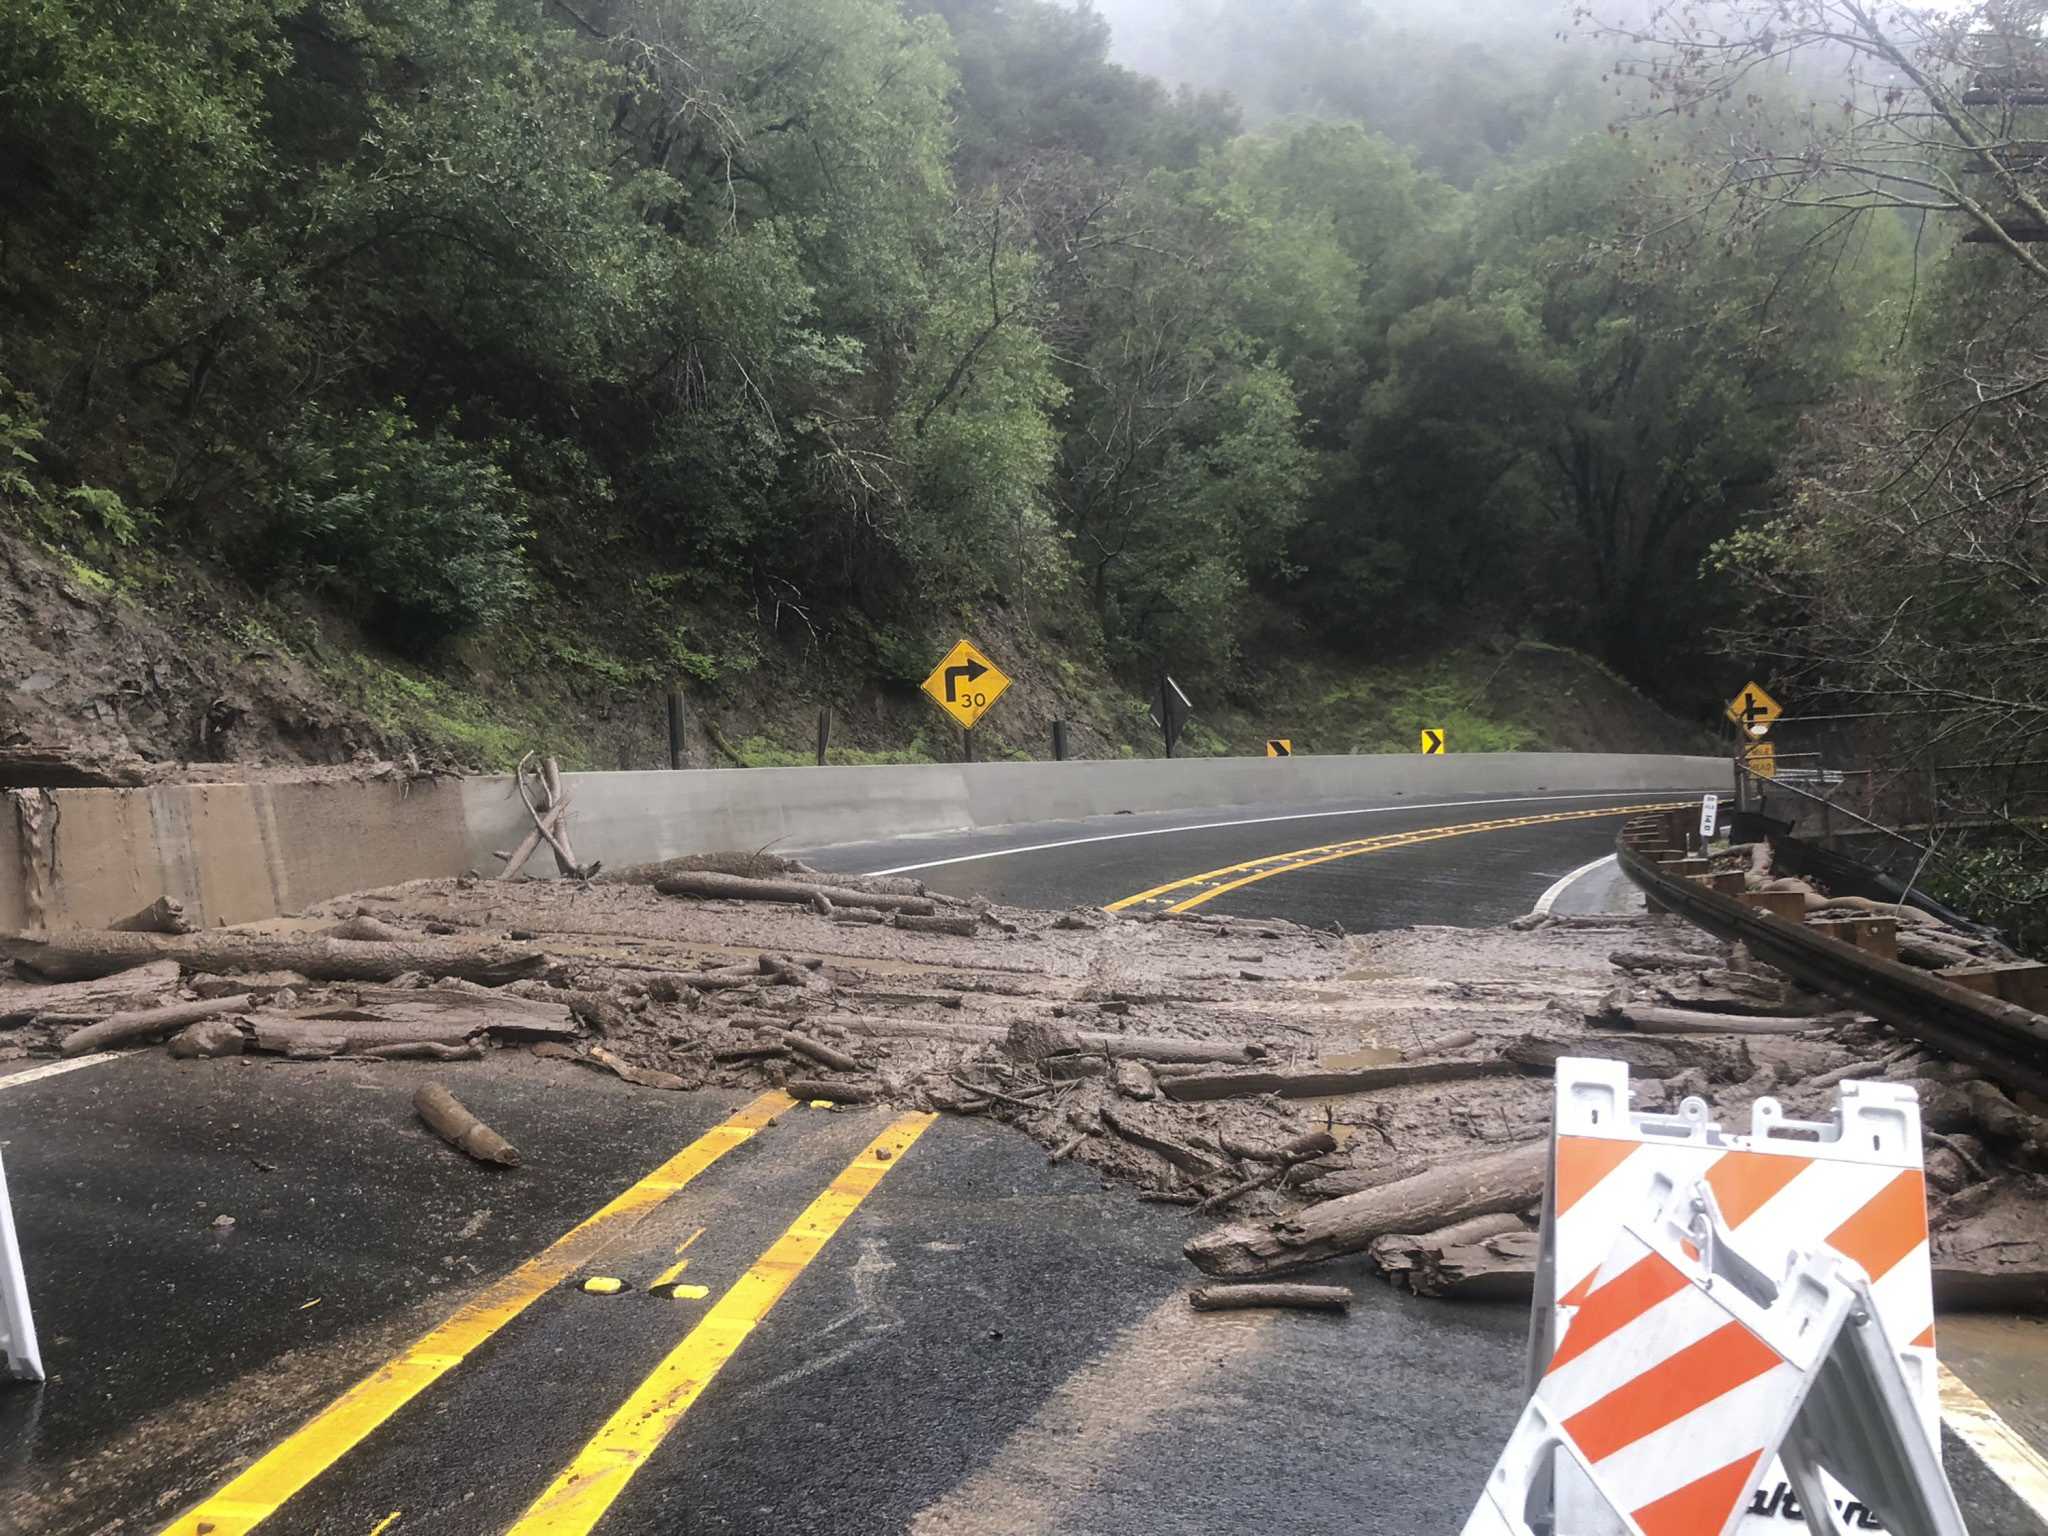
x=990, y=1344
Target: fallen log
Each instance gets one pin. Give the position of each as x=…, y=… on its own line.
x=1504, y=1181
x=1183, y=1157
x=1399, y=1254
x=1315, y=1298
x=1300, y=1149
x=448, y=1118
x=715, y=887
x=423, y=1050
x=2002, y=1119
x=956, y=927
x=820, y=1052
x=322, y=1033
x=792, y=973
x=641, y=1077
x=838, y=1092
x=1930, y=954
x=164, y=915
x=1501, y=1268
x=148, y=1024
x=1138, y=1047
x=1651, y=1058
x=858, y=915
x=92, y=999
x=77, y=955
x=1686, y=1021
x=1310, y=1085
x=365, y=929
x=1652, y=960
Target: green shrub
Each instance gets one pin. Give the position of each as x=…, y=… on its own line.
x=427, y=530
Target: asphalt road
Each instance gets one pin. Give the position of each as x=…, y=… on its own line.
x=981, y=1343
x=1476, y=877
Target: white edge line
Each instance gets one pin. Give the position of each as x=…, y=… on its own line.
x=1549, y=898
x=1258, y=821
x=56, y=1069
x=1997, y=1444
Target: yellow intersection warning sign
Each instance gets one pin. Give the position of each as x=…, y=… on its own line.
x=965, y=684
x=1433, y=742
x=1279, y=746
x=1754, y=710
x=1761, y=759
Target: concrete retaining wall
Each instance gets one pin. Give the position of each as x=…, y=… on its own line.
x=239, y=852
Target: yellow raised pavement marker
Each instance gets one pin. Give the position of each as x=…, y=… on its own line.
x=578, y=1498
x=254, y=1496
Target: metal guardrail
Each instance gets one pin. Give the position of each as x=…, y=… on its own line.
x=2001, y=1039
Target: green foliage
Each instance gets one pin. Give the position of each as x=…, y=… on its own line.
x=428, y=530
x=819, y=319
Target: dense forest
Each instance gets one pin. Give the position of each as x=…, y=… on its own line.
x=840, y=316
x=1193, y=334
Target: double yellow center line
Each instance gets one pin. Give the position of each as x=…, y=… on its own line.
x=1186, y=894
x=587, y=1487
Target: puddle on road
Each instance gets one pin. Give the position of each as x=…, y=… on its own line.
x=1364, y=1056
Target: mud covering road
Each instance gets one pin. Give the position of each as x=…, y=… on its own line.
x=985, y=1341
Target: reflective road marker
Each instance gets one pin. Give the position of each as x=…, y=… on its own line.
x=254, y=1496
x=587, y=1487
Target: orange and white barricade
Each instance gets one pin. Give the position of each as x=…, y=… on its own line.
x=1687, y=1368
x=1852, y=1185
x=17, y=1327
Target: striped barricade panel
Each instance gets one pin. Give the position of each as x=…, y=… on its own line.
x=1670, y=1391
x=1853, y=1184
x=17, y=1326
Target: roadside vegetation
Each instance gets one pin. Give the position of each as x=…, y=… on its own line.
x=682, y=332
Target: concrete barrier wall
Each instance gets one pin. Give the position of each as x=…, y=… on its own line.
x=239, y=852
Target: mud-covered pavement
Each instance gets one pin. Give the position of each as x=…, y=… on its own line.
x=986, y=1340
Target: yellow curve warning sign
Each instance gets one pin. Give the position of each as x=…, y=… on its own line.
x=965, y=684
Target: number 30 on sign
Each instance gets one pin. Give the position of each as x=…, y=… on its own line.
x=965, y=684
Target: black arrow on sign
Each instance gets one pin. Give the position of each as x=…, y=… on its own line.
x=970, y=672
x=1435, y=740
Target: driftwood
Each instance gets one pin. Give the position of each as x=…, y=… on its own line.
x=857, y=915
x=1931, y=954
x=77, y=955
x=1300, y=1149
x=1311, y=1085
x=820, y=1052
x=957, y=927
x=1137, y=1047
x=320, y=1033
x=1504, y=1181
x=1314, y=1298
x=148, y=1024
x=836, y=1090
x=642, y=1077
x=1183, y=1157
x=1659, y=960
x=1652, y=1058
x=2002, y=1119
x=84, y=1001
x=1487, y=1257
x=164, y=915
x=449, y=1119
x=715, y=887
x=365, y=929
x=423, y=1050
x=1686, y=1021
x=793, y=973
